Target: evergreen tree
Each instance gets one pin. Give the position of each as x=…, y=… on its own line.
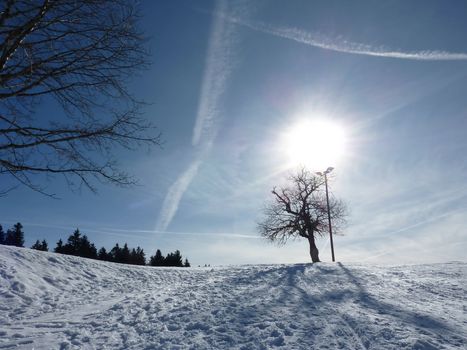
x=125, y=254
x=133, y=257
x=59, y=247
x=140, y=257
x=37, y=245
x=79, y=246
x=115, y=253
x=40, y=246
x=103, y=255
x=157, y=259
x=174, y=259
x=72, y=246
x=2, y=235
x=45, y=246
x=86, y=249
x=187, y=263
x=9, y=237
x=15, y=236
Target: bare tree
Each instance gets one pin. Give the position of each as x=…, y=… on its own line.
x=75, y=57
x=299, y=210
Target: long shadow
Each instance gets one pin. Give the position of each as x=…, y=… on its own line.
x=407, y=316
x=294, y=293
x=289, y=276
x=286, y=281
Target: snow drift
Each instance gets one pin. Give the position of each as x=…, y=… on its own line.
x=53, y=301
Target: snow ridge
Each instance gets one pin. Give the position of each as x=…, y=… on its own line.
x=53, y=301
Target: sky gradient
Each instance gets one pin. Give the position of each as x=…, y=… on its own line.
x=229, y=79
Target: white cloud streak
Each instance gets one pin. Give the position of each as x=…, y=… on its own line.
x=345, y=46
x=218, y=67
x=133, y=232
x=174, y=195
x=217, y=71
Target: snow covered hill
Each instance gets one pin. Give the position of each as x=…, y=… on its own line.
x=52, y=301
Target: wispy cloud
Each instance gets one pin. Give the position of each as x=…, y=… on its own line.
x=182, y=233
x=174, y=195
x=133, y=232
x=216, y=73
x=218, y=67
x=345, y=46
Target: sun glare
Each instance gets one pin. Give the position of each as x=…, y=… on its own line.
x=315, y=144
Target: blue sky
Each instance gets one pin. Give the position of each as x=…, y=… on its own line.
x=228, y=80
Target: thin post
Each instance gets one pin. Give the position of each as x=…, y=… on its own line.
x=329, y=215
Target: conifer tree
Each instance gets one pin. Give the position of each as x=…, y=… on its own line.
x=102, y=254
x=140, y=257
x=157, y=259
x=79, y=245
x=133, y=257
x=86, y=249
x=115, y=253
x=187, y=263
x=40, y=246
x=2, y=235
x=15, y=236
x=59, y=247
x=174, y=259
x=37, y=245
x=137, y=256
x=9, y=237
x=73, y=244
x=125, y=254
x=45, y=246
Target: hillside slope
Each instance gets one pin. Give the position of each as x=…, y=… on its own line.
x=52, y=301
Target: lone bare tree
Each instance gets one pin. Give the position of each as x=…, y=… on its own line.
x=75, y=57
x=300, y=210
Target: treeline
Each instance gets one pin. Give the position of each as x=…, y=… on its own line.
x=79, y=245
x=14, y=236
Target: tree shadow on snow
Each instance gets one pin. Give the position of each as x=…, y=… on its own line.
x=288, y=284
x=403, y=314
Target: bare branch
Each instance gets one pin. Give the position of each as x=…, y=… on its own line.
x=81, y=54
x=300, y=210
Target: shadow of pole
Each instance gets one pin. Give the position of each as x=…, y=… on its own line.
x=404, y=315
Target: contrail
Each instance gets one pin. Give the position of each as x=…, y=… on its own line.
x=344, y=46
x=217, y=70
x=131, y=233
x=216, y=73
x=174, y=194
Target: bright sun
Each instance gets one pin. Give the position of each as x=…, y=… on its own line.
x=315, y=144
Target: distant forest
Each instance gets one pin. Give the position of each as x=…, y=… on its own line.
x=79, y=245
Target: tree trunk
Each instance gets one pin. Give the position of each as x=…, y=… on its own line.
x=314, y=253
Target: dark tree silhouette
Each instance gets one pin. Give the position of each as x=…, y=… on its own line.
x=103, y=255
x=125, y=254
x=76, y=56
x=37, y=245
x=77, y=245
x=299, y=210
x=137, y=256
x=174, y=259
x=116, y=253
x=45, y=246
x=41, y=245
x=15, y=236
x=59, y=247
x=157, y=259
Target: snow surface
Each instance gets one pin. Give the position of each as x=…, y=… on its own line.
x=53, y=301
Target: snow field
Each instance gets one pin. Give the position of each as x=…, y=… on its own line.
x=53, y=301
